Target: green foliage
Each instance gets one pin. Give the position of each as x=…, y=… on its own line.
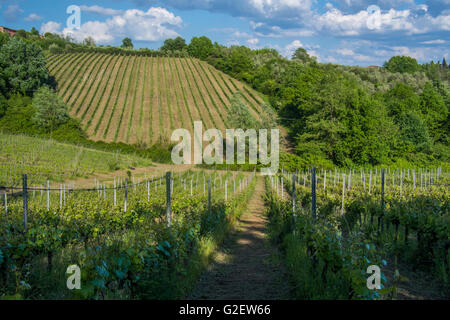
x=4, y=38
x=239, y=115
x=434, y=111
x=402, y=64
x=414, y=132
x=90, y=42
x=302, y=55
x=177, y=44
x=18, y=115
x=34, y=32
x=127, y=43
x=51, y=111
x=126, y=255
x=200, y=47
x=23, y=67
x=54, y=49
x=401, y=99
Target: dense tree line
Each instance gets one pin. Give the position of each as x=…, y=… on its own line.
x=347, y=115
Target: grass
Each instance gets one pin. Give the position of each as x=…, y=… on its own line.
x=177, y=100
x=127, y=92
x=198, y=94
x=130, y=120
x=74, y=60
x=141, y=112
x=95, y=93
x=214, y=86
x=44, y=159
x=68, y=84
x=158, y=85
x=167, y=90
x=201, y=75
x=81, y=84
x=109, y=97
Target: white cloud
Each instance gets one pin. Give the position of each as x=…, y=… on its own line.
x=152, y=25
x=253, y=43
x=345, y=52
x=437, y=41
x=100, y=10
x=33, y=17
x=239, y=34
x=51, y=26
x=349, y=53
x=289, y=49
x=406, y=21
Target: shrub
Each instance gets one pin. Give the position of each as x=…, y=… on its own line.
x=51, y=111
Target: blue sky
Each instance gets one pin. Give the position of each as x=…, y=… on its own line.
x=351, y=32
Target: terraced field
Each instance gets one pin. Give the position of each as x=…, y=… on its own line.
x=143, y=99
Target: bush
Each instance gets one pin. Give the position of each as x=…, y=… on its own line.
x=55, y=49
x=51, y=111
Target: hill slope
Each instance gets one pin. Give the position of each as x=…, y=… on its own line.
x=135, y=99
x=44, y=159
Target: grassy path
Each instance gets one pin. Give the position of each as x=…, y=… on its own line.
x=246, y=267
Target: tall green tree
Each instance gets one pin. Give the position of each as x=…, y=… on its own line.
x=22, y=66
x=414, y=132
x=177, y=44
x=302, y=55
x=4, y=38
x=434, y=110
x=34, y=32
x=402, y=64
x=401, y=99
x=51, y=111
x=127, y=43
x=200, y=47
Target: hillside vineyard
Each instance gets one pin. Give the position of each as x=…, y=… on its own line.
x=136, y=100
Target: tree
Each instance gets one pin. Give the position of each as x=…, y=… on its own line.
x=302, y=55
x=444, y=63
x=201, y=47
x=127, y=43
x=51, y=111
x=240, y=63
x=4, y=38
x=414, y=131
x=90, y=42
x=22, y=66
x=402, y=64
x=433, y=109
x=177, y=44
x=239, y=115
x=34, y=32
x=54, y=49
x=401, y=99
x=21, y=33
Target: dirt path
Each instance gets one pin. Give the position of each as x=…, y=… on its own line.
x=247, y=266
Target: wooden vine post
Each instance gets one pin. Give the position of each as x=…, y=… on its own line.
x=25, y=202
x=209, y=196
x=313, y=191
x=168, y=199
